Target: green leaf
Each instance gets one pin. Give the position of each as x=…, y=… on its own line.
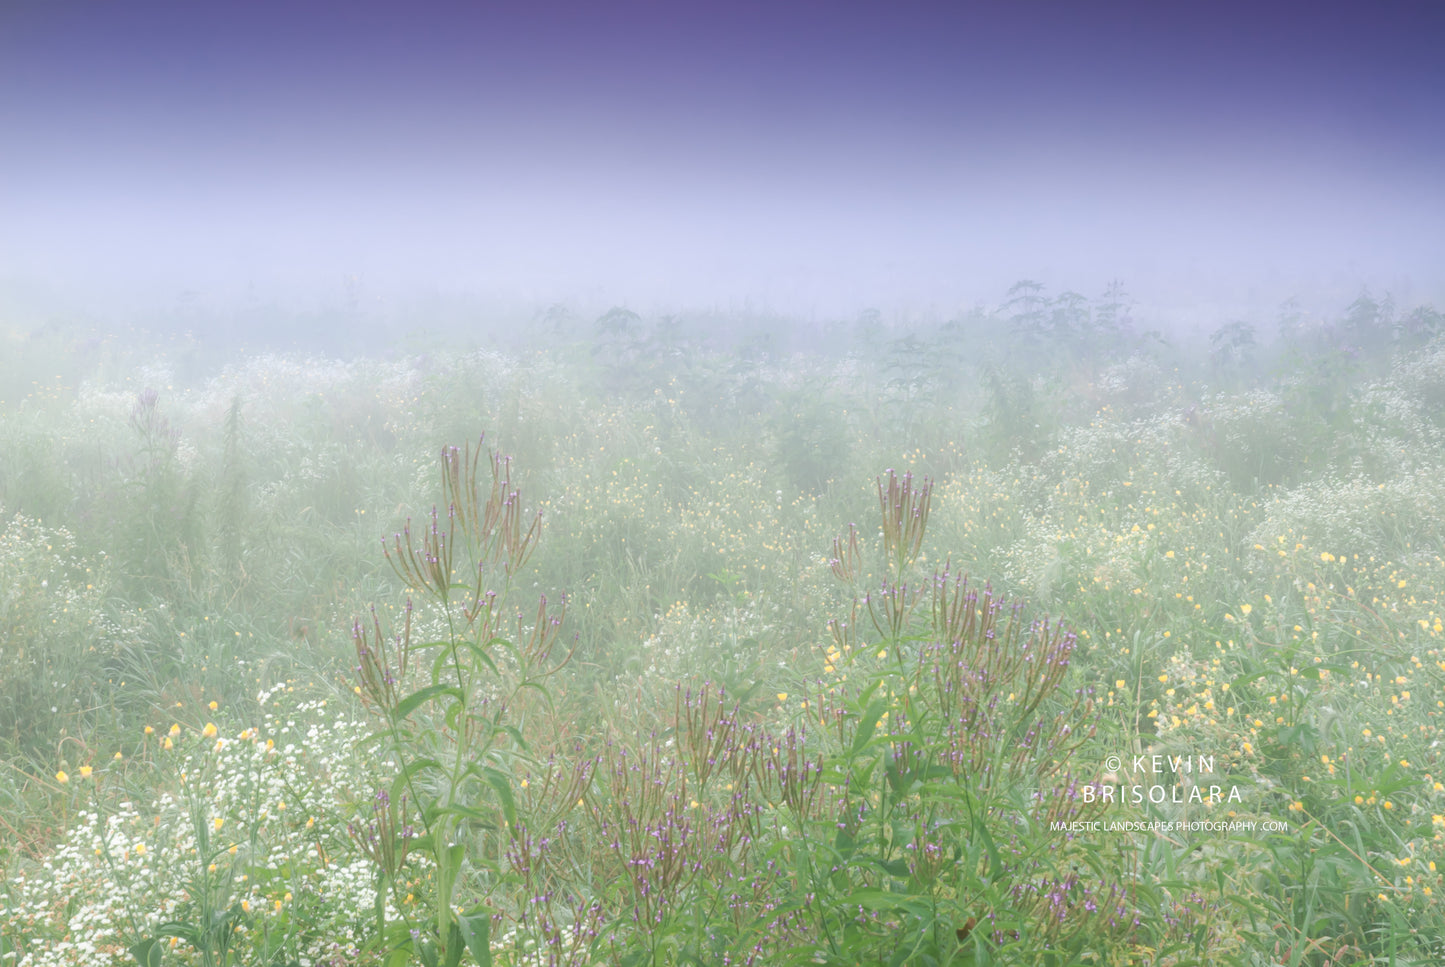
x=450, y=865
x=515, y=734
x=474, y=813
x=894, y=776
x=412, y=768
x=439, y=662
x=503, y=785
x=399, y=945
x=476, y=929
x=410, y=704
x=379, y=739
x=994, y=864
x=147, y=953
x=1302, y=735
x=883, y=900
x=867, y=724
x=1243, y=680
x=455, y=945
x=480, y=653
x=897, y=868
x=180, y=929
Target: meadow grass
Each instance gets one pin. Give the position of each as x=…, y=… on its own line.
x=707, y=654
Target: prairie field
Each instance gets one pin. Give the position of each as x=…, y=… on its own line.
x=1027, y=637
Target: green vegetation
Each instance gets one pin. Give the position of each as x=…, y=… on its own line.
x=1021, y=638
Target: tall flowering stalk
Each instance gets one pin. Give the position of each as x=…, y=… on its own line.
x=904, y=508
x=950, y=730
x=449, y=736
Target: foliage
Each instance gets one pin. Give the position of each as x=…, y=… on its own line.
x=761, y=750
x=451, y=741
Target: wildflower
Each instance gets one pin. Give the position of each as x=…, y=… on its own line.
x=150, y=731
x=210, y=730
x=140, y=849
x=85, y=772
x=175, y=729
x=214, y=705
x=61, y=777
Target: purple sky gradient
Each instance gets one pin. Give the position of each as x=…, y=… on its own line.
x=808, y=157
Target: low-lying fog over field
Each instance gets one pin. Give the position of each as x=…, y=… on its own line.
x=748, y=484
x=808, y=159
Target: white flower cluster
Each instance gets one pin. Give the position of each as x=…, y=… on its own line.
x=1354, y=515
x=255, y=819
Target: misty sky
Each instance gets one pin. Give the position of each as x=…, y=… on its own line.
x=807, y=157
